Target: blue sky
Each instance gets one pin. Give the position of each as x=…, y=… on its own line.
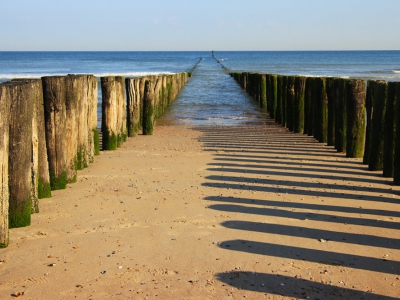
x=200, y=25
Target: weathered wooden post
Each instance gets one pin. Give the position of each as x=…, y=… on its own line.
x=298, y=107
x=309, y=107
x=368, y=106
x=55, y=123
x=5, y=101
x=378, y=125
x=273, y=95
x=355, y=101
x=22, y=96
x=284, y=100
x=277, y=114
x=133, y=106
x=40, y=166
x=396, y=171
x=148, y=108
x=290, y=95
x=321, y=110
x=113, y=126
x=390, y=131
x=94, y=142
x=73, y=108
x=340, y=115
x=263, y=91
x=243, y=82
x=330, y=92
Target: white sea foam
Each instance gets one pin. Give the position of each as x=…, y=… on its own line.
x=126, y=74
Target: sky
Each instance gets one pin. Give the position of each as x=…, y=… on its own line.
x=190, y=25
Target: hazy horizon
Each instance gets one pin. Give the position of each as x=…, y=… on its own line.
x=179, y=25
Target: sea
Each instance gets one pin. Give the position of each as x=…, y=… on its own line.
x=211, y=97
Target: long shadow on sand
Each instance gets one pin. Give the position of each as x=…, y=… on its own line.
x=269, y=159
x=298, y=288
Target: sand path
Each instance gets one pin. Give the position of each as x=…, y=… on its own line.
x=212, y=213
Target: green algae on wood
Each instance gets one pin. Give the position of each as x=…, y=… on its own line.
x=355, y=108
x=390, y=131
x=396, y=171
x=340, y=114
x=55, y=123
x=378, y=125
x=22, y=97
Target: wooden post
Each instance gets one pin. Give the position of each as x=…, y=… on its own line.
x=133, y=106
x=55, y=123
x=93, y=133
x=148, y=108
x=396, y=171
x=284, y=100
x=113, y=124
x=390, y=131
x=330, y=92
x=40, y=166
x=340, y=115
x=5, y=101
x=309, y=107
x=355, y=101
x=72, y=104
x=277, y=114
x=321, y=110
x=378, y=125
x=263, y=91
x=298, y=107
x=368, y=106
x=290, y=99
x=22, y=96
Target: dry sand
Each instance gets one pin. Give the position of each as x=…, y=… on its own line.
x=212, y=213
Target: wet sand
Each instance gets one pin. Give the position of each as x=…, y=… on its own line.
x=212, y=212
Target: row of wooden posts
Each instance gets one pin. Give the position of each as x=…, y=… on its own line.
x=48, y=131
x=355, y=116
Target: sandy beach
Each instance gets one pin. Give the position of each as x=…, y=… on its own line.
x=212, y=212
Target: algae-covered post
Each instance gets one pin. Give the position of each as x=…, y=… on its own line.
x=22, y=97
x=290, y=95
x=309, y=107
x=40, y=166
x=148, y=108
x=263, y=91
x=321, y=110
x=368, y=106
x=113, y=126
x=279, y=96
x=330, y=92
x=133, y=106
x=355, y=101
x=340, y=114
x=378, y=125
x=298, y=107
x=4, y=145
x=55, y=124
x=396, y=171
x=390, y=131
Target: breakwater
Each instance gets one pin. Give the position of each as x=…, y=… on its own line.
x=48, y=131
x=355, y=116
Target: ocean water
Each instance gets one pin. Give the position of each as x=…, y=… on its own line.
x=211, y=97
